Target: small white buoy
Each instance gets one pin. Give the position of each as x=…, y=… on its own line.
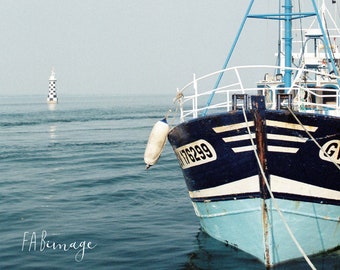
x=156, y=142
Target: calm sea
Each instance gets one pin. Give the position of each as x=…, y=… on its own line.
x=74, y=192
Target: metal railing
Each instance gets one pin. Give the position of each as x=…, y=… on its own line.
x=311, y=91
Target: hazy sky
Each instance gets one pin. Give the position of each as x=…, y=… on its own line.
x=115, y=46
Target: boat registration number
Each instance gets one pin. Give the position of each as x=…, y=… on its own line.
x=331, y=151
x=195, y=153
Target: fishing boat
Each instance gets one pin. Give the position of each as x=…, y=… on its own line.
x=261, y=159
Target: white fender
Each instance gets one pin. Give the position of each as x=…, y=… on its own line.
x=156, y=142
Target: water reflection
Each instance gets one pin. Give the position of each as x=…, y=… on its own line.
x=214, y=255
x=52, y=106
x=52, y=133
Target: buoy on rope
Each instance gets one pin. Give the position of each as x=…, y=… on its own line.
x=156, y=142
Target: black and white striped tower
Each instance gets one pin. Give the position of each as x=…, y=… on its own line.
x=52, y=93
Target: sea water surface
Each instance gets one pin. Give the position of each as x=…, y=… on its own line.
x=74, y=192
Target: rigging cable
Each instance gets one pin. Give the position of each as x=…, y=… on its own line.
x=328, y=37
x=279, y=44
x=312, y=138
x=301, y=35
x=273, y=198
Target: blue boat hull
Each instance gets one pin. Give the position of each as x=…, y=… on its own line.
x=239, y=223
x=225, y=184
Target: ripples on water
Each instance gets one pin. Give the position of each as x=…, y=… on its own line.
x=77, y=173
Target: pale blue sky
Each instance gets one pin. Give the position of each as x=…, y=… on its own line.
x=116, y=46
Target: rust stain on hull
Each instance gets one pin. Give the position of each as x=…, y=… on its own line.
x=258, y=106
x=265, y=223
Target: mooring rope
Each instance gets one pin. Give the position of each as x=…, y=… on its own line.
x=273, y=198
x=174, y=115
x=313, y=139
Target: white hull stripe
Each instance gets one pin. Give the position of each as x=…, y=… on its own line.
x=277, y=183
x=286, y=138
x=247, y=185
x=271, y=148
x=243, y=149
x=282, y=149
x=284, y=185
x=271, y=123
x=290, y=125
x=273, y=137
x=233, y=127
x=269, y=136
x=239, y=138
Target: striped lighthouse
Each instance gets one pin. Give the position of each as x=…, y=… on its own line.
x=52, y=93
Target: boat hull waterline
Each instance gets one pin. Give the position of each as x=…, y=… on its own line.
x=227, y=191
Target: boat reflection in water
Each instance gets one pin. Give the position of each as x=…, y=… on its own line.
x=215, y=255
